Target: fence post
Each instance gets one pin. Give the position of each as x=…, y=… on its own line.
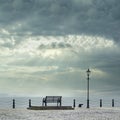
x=112, y=102
x=13, y=103
x=74, y=103
x=100, y=102
x=29, y=102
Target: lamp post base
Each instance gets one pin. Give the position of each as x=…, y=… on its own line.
x=88, y=104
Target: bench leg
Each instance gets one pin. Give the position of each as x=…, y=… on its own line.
x=60, y=103
x=45, y=103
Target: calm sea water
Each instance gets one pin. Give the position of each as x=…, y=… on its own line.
x=23, y=102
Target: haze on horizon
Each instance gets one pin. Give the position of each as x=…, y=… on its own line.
x=46, y=46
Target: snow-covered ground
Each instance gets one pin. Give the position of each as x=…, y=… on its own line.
x=77, y=114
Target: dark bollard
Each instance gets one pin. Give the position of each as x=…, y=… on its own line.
x=74, y=103
x=100, y=102
x=29, y=102
x=80, y=105
x=112, y=102
x=13, y=103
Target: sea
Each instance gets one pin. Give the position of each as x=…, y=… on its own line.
x=23, y=102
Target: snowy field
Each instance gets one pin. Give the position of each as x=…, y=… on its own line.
x=77, y=114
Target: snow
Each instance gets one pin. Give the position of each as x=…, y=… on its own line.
x=77, y=114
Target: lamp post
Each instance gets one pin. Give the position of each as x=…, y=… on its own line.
x=88, y=74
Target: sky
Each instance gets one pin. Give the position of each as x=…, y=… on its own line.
x=46, y=47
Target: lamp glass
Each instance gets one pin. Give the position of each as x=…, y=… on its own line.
x=88, y=72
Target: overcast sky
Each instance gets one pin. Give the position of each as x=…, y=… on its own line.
x=46, y=46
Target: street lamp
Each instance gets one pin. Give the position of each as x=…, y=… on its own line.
x=88, y=74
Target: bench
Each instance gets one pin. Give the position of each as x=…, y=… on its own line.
x=52, y=99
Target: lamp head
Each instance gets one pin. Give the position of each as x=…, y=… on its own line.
x=88, y=72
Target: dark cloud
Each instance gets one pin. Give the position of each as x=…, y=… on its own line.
x=55, y=24
x=61, y=17
x=55, y=45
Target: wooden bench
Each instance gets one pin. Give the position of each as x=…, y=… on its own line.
x=52, y=99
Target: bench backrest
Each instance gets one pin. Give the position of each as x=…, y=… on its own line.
x=53, y=98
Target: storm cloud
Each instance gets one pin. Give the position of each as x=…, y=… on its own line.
x=60, y=17
x=53, y=42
